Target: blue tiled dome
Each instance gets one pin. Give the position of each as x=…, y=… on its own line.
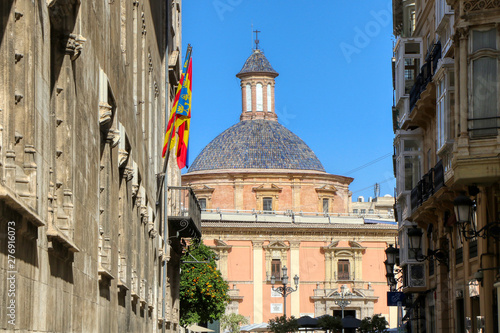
x=257, y=63
x=257, y=144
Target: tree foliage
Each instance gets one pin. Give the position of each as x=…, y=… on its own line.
x=375, y=324
x=283, y=324
x=232, y=322
x=203, y=291
x=330, y=323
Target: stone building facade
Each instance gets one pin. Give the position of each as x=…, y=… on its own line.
x=268, y=204
x=446, y=125
x=83, y=96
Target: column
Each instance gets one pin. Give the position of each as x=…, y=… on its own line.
x=294, y=269
x=238, y=194
x=463, y=142
x=257, y=282
x=328, y=270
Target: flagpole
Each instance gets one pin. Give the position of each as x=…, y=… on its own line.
x=163, y=180
x=163, y=174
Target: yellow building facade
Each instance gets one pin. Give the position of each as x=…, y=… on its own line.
x=446, y=121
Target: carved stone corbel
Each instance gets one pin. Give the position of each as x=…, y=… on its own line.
x=105, y=113
x=122, y=157
x=113, y=137
x=128, y=173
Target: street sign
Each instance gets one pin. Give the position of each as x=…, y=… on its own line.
x=395, y=297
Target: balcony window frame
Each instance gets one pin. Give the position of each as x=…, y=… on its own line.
x=341, y=274
x=445, y=95
x=401, y=161
x=403, y=53
x=276, y=268
x=474, y=57
x=267, y=204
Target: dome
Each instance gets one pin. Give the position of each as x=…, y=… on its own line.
x=257, y=144
x=257, y=63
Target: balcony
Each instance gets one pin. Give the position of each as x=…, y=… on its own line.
x=430, y=183
x=184, y=212
x=422, y=101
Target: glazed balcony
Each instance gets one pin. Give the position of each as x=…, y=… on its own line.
x=422, y=97
x=430, y=183
x=184, y=212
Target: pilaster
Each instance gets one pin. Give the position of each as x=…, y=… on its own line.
x=257, y=282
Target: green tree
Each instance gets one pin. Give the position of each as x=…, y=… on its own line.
x=330, y=323
x=232, y=322
x=203, y=291
x=283, y=325
x=375, y=324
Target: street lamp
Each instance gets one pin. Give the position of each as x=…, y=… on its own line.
x=285, y=289
x=464, y=213
x=342, y=301
x=415, y=240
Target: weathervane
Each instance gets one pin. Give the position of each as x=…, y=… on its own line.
x=256, y=39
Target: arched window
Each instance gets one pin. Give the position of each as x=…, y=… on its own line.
x=258, y=92
x=269, y=98
x=248, y=93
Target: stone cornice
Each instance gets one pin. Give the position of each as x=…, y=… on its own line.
x=200, y=176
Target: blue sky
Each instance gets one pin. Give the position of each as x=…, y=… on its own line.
x=334, y=89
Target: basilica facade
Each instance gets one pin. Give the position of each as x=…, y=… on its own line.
x=268, y=203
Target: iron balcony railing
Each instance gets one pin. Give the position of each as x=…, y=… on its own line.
x=430, y=183
x=344, y=276
x=184, y=212
x=426, y=73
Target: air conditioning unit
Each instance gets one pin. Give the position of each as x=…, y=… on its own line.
x=415, y=275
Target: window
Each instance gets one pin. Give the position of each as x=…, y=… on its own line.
x=267, y=204
x=370, y=211
x=484, y=80
x=355, y=211
x=343, y=269
x=411, y=171
x=248, y=94
x=203, y=204
x=445, y=100
x=412, y=68
x=276, y=268
x=325, y=206
x=258, y=94
x=269, y=98
x=363, y=211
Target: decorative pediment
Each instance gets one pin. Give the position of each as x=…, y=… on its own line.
x=326, y=190
x=355, y=293
x=276, y=246
x=219, y=244
x=332, y=245
x=354, y=247
x=202, y=189
x=355, y=244
x=267, y=188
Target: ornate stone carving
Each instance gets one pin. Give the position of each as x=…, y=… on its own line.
x=105, y=113
x=122, y=157
x=480, y=5
x=128, y=173
x=113, y=137
x=74, y=46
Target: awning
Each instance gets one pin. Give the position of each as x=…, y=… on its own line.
x=196, y=328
